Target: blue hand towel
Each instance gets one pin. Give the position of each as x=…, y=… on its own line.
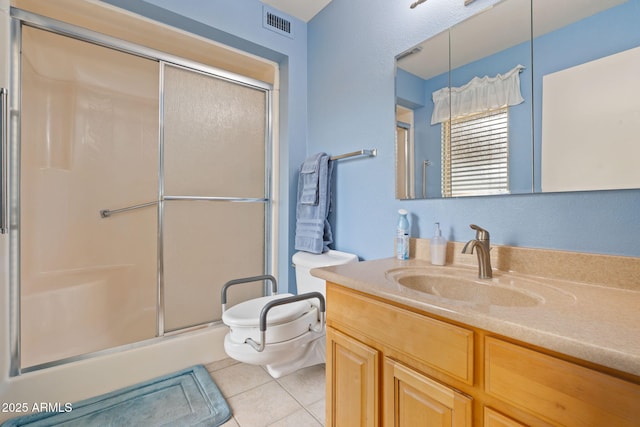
x=313, y=230
x=309, y=177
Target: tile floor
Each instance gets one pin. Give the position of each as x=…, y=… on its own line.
x=258, y=400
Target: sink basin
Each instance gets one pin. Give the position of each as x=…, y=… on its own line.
x=459, y=288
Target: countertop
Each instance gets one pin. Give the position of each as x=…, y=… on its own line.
x=594, y=323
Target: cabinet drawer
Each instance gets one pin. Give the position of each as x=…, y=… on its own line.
x=445, y=347
x=557, y=390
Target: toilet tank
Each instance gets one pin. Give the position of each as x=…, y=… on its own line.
x=305, y=261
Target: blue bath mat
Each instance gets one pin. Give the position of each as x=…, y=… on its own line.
x=185, y=398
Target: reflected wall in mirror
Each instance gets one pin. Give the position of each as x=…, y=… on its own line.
x=575, y=126
x=586, y=94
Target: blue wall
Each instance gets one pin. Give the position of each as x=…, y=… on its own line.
x=351, y=49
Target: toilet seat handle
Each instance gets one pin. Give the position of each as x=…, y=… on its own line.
x=274, y=286
x=281, y=301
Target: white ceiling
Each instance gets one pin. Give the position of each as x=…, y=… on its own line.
x=301, y=9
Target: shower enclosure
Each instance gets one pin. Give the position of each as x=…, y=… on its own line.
x=139, y=184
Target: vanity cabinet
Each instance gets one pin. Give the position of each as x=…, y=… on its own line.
x=371, y=379
x=391, y=365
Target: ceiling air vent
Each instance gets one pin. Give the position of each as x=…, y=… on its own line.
x=274, y=21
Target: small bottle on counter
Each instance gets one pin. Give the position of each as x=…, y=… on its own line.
x=438, y=247
x=402, y=235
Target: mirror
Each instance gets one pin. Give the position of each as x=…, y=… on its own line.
x=558, y=138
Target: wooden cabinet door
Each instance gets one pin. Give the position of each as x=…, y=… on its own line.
x=352, y=382
x=412, y=400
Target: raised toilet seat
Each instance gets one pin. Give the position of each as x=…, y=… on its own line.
x=284, y=322
x=283, y=332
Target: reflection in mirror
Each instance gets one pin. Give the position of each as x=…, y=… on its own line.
x=472, y=132
x=404, y=153
x=577, y=127
x=420, y=71
x=587, y=94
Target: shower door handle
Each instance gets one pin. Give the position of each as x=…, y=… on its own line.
x=4, y=163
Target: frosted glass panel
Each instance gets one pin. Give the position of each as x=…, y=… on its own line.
x=207, y=244
x=89, y=142
x=215, y=133
x=214, y=146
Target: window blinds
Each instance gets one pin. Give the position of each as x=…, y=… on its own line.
x=475, y=155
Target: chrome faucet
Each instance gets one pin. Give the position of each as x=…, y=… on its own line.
x=482, y=245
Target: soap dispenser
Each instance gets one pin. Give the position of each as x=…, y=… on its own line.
x=438, y=247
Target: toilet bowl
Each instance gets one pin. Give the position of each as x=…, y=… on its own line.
x=292, y=334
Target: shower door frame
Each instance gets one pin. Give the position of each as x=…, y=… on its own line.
x=19, y=18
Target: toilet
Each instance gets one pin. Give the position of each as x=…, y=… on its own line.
x=295, y=336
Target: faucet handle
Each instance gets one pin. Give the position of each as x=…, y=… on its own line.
x=481, y=233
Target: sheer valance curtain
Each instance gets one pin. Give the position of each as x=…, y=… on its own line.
x=480, y=94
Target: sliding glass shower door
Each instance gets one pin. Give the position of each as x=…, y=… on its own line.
x=142, y=187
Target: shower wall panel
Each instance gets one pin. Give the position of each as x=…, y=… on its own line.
x=89, y=128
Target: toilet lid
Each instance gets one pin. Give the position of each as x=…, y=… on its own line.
x=247, y=313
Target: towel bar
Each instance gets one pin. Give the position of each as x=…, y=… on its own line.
x=105, y=213
x=369, y=153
